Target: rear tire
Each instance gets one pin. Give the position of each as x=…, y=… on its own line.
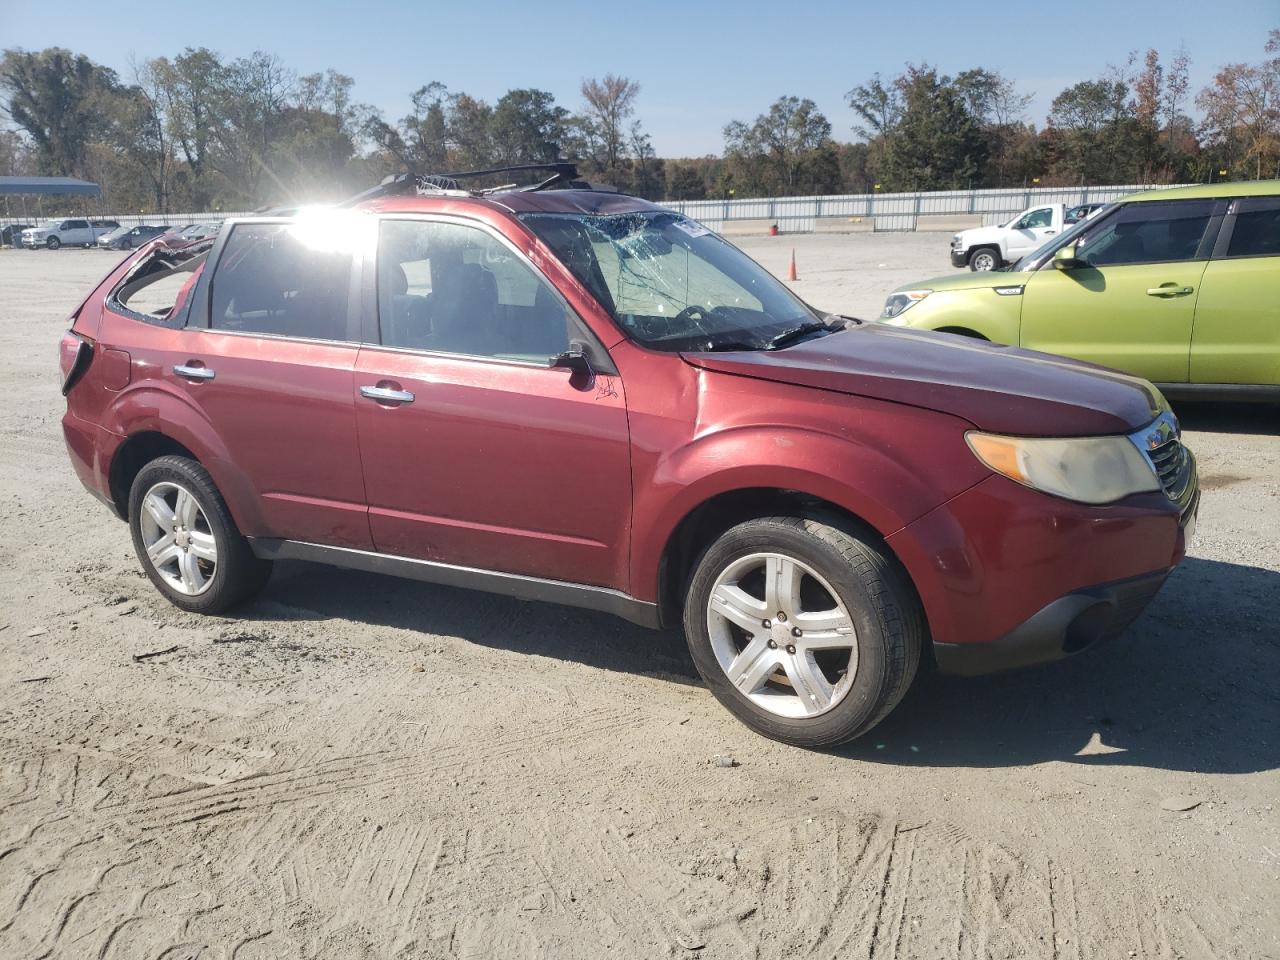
x=984, y=259
x=186, y=540
x=847, y=584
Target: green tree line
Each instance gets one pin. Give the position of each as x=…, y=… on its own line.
x=200, y=131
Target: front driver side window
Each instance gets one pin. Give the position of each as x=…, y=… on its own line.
x=1147, y=232
x=1036, y=218
x=452, y=288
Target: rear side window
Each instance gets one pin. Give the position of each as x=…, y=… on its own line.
x=451, y=288
x=1147, y=232
x=276, y=279
x=1257, y=229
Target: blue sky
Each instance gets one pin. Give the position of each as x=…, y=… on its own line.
x=699, y=64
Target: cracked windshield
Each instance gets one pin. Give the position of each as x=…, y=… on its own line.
x=674, y=285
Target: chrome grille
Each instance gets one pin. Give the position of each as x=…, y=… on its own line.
x=1174, y=464
x=1171, y=462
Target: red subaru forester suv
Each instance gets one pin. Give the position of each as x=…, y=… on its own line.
x=567, y=394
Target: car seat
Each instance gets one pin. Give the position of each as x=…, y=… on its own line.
x=464, y=313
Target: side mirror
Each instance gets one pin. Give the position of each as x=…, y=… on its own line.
x=576, y=361
x=1067, y=258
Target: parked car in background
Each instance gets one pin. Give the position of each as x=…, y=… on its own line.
x=1179, y=286
x=11, y=234
x=581, y=397
x=1081, y=212
x=126, y=238
x=197, y=231
x=988, y=248
x=66, y=233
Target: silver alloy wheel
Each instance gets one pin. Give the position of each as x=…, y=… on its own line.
x=178, y=539
x=983, y=261
x=782, y=635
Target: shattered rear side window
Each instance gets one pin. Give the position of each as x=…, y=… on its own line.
x=160, y=284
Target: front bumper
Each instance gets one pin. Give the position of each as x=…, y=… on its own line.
x=1068, y=625
x=1009, y=576
x=959, y=258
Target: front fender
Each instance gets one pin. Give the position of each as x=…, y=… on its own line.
x=871, y=477
x=153, y=406
x=996, y=316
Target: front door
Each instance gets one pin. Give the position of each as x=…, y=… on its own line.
x=1032, y=229
x=477, y=452
x=1131, y=301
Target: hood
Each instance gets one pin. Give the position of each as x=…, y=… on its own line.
x=996, y=388
x=968, y=280
x=980, y=234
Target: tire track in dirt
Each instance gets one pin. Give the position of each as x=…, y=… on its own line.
x=348, y=774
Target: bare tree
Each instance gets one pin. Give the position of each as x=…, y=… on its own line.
x=610, y=100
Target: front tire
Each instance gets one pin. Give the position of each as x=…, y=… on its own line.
x=186, y=540
x=984, y=259
x=53, y=243
x=805, y=629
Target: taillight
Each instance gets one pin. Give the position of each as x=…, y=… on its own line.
x=74, y=354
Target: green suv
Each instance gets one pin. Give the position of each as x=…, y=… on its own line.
x=1179, y=286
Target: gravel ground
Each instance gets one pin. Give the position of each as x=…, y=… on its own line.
x=357, y=766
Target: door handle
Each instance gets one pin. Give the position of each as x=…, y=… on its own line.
x=387, y=395
x=193, y=373
x=1169, y=290
x=1050, y=233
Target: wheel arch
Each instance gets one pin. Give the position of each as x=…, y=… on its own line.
x=994, y=246
x=961, y=332
x=710, y=518
x=153, y=419
x=130, y=457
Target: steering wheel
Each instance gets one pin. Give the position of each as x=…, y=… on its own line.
x=692, y=311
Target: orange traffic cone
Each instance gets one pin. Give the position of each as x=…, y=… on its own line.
x=791, y=270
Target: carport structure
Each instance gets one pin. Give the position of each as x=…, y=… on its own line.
x=40, y=186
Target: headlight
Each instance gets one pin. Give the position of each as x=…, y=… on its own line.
x=1086, y=469
x=902, y=301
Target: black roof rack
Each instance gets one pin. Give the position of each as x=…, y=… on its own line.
x=564, y=173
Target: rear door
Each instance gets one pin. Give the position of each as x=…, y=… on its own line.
x=477, y=451
x=1131, y=303
x=268, y=356
x=1237, y=323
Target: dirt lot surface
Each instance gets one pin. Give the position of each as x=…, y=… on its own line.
x=361, y=767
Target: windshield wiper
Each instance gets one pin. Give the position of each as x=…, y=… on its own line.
x=715, y=346
x=792, y=334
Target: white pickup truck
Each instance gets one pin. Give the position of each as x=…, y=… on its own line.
x=66, y=233
x=986, y=248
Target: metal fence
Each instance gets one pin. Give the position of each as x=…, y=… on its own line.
x=892, y=211
x=134, y=219
x=869, y=211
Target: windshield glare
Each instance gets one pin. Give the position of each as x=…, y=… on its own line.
x=670, y=283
